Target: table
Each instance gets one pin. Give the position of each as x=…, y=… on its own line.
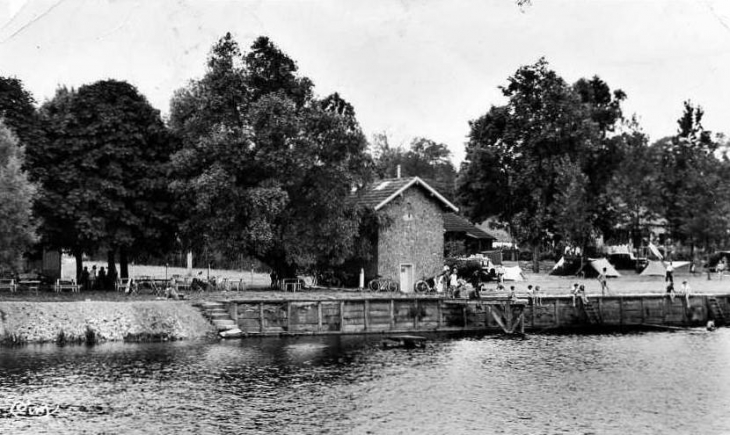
x=291, y=283
x=30, y=284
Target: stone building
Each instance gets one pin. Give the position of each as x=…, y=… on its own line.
x=411, y=244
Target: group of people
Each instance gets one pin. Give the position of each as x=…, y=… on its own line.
x=669, y=281
x=449, y=283
x=98, y=280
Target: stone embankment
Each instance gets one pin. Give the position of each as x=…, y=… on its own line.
x=97, y=321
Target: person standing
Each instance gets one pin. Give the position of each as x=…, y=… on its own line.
x=101, y=279
x=538, y=296
x=603, y=279
x=721, y=266
x=686, y=289
x=446, y=279
x=453, y=283
x=670, y=291
x=92, y=278
x=670, y=274
x=85, y=279
x=500, y=274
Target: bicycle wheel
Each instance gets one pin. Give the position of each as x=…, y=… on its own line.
x=421, y=287
x=374, y=285
x=392, y=286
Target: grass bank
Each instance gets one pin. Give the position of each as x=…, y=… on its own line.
x=97, y=321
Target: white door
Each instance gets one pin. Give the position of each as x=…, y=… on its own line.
x=406, y=278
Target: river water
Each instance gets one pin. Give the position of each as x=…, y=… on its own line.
x=639, y=383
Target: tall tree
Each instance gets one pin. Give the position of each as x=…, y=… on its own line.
x=18, y=111
x=266, y=167
x=692, y=182
x=103, y=172
x=633, y=191
x=679, y=156
x=17, y=225
x=425, y=158
x=538, y=154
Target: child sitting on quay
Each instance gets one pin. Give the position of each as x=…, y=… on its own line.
x=579, y=291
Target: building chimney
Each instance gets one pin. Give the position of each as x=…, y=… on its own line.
x=397, y=171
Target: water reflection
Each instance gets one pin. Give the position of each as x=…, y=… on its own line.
x=635, y=383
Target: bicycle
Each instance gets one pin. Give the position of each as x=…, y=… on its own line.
x=425, y=285
x=383, y=285
x=327, y=279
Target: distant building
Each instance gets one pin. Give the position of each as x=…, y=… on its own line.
x=476, y=240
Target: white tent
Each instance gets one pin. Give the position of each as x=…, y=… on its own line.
x=659, y=268
x=513, y=273
x=559, y=264
x=598, y=265
x=654, y=268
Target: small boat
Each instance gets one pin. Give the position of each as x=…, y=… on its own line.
x=404, y=341
x=231, y=333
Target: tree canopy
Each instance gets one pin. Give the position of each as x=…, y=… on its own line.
x=103, y=171
x=541, y=161
x=17, y=225
x=265, y=167
x=18, y=111
x=425, y=158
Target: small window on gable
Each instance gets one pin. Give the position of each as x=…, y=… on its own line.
x=382, y=185
x=408, y=216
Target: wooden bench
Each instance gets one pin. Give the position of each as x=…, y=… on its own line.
x=66, y=284
x=125, y=285
x=8, y=284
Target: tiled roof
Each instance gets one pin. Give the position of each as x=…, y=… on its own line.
x=499, y=234
x=457, y=224
x=383, y=191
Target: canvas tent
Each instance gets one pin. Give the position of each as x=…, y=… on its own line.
x=654, y=268
x=595, y=266
x=513, y=273
x=558, y=266
x=659, y=268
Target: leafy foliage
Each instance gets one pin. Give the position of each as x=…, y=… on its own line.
x=425, y=158
x=541, y=162
x=693, y=182
x=265, y=167
x=633, y=190
x=18, y=111
x=17, y=226
x=103, y=171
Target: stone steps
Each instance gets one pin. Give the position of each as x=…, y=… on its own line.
x=217, y=315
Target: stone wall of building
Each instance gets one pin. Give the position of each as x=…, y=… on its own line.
x=415, y=236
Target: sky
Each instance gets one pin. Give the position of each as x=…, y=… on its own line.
x=410, y=68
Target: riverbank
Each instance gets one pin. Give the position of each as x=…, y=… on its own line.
x=97, y=321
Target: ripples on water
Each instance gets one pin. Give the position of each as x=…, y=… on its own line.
x=671, y=383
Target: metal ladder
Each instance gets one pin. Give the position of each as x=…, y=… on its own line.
x=592, y=314
x=716, y=311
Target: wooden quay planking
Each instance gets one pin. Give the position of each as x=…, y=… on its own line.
x=389, y=315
